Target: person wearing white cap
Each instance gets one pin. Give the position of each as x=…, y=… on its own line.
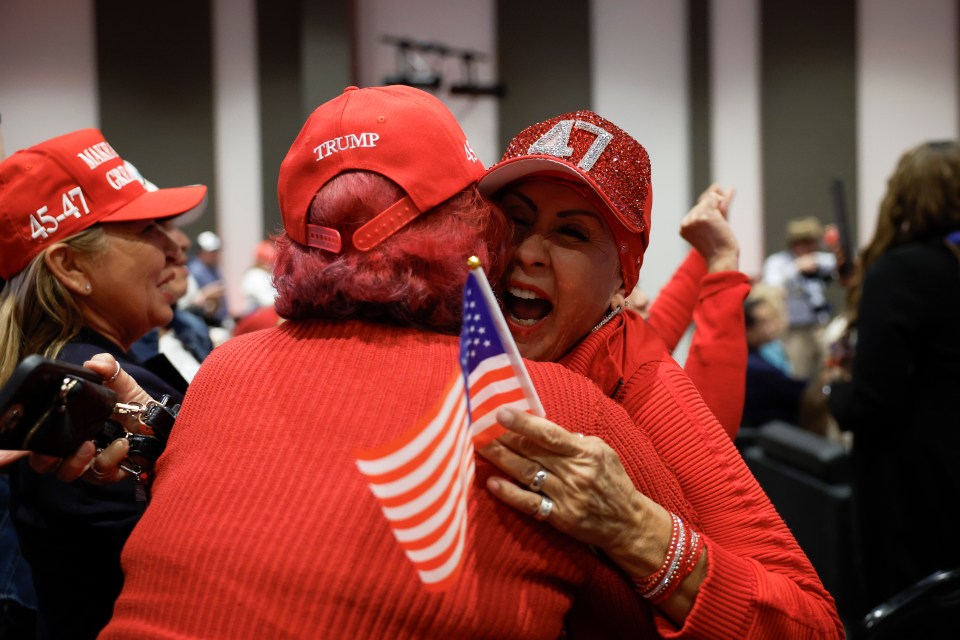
x=88, y=266
x=206, y=295
x=803, y=270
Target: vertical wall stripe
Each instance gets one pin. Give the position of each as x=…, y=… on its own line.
x=543, y=51
x=698, y=26
x=237, y=140
x=327, y=35
x=305, y=59
x=281, y=117
x=48, y=72
x=640, y=83
x=156, y=90
x=735, y=120
x=808, y=117
x=907, y=88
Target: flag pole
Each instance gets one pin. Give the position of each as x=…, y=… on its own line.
x=506, y=338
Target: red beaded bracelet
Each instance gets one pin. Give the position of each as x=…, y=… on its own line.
x=692, y=556
x=686, y=547
x=649, y=582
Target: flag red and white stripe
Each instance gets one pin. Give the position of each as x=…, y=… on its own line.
x=423, y=478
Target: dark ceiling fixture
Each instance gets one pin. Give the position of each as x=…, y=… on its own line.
x=419, y=62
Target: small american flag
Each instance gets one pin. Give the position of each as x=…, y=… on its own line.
x=423, y=478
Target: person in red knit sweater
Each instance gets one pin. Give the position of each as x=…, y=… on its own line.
x=579, y=192
x=260, y=524
x=707, y=289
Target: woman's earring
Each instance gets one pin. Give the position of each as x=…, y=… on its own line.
x=607, y=318
x=87, y=287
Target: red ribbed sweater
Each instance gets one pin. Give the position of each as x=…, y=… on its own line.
x=717, y=358
x=261, y=526
x=759, y=582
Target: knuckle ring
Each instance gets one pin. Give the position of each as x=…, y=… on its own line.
x=114, y=376
x=538, y=479
x=546, y=506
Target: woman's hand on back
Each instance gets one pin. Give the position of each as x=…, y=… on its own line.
x=594, y=500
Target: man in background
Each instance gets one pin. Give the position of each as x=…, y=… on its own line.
x=803, y=270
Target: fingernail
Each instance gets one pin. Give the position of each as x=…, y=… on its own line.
x=121, y=445
x=493, y=484
x=505, y=417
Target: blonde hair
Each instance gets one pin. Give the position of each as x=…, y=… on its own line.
x=772, y=294
x=38, y=315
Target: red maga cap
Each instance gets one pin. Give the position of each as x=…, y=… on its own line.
x=583, y=147
x=56, y=189
x=402, y=133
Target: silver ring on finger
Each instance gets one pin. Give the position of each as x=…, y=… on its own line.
x=113, y=378
x=538, y=479
x=546, y=506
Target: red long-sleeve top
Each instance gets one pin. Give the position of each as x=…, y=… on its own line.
x=759, y=582
x=717, y=358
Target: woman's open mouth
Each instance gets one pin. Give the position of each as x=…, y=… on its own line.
x=525, y=307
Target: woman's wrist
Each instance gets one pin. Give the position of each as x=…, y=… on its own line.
x=644, y=540
x=682, y=557
x=728, y=260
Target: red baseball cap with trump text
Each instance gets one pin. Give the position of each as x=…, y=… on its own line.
x=584, y=148
x=400, y=132
x=57, y=188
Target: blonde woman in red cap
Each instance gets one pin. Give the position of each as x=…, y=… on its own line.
x=89, y=265
x=578, y=190
x=260, y=524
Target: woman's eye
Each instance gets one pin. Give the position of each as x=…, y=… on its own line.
x=517, y=216
x=575, y=232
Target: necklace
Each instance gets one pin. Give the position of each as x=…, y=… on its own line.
x=607, y=318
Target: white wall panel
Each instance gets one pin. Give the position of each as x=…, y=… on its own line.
x=735, y=121
x=907, y=89
x=236, y=140
x=48, y=81
x=640, y=84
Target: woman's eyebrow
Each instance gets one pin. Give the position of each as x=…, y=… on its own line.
x=519, y=194
x=579, y=212
x=532, y=205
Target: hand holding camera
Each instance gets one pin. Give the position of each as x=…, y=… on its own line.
x=92, y=421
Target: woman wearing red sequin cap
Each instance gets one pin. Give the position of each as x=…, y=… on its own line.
x=578, y=189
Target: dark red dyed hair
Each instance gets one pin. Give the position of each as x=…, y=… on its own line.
x=413, y=278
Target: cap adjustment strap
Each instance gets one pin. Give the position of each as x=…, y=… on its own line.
x=324, y=238
x=385, y=224
x=381, y=227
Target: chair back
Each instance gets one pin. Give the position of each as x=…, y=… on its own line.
x=928, y=609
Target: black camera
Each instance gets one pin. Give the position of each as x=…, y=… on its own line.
x=52, y=407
